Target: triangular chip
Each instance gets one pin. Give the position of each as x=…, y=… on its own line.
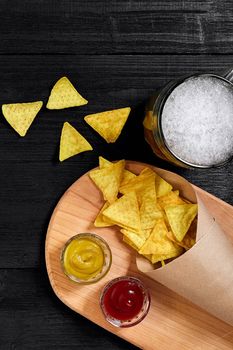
x=171, y=198
x=162, y=187
x=127, y=175
x=104, y=163
x=150, y=212
x=100, y=221
x=64, y=95
x=124, y=212
x=139, y=183
x=72, y=142
x=172, y=237
x=129, y=242
x=137, y=239
x=158, y=243
x=161, y=257
x=108, y=179
x=109, y=124
x=21, y=115
x=180, y=218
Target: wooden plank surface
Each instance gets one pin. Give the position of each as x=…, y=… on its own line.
x=130, y=26
x=172, y=321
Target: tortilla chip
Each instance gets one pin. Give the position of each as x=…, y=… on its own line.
x=104, y=163
x=64, y=95
x=138, y=184
x=100, y=221
x=172, y=237
x=109, y=124
x=137, y=239
x=149, y=211
x=159, y=244
x=161, y=257
x=108, y=179
x=21, y=115
x=129, y=242
x=180, y=218
x=170, y=198
x=162, y=187
x=127, y=175
x=124, y=212
x=190, y=238
x=72, y=142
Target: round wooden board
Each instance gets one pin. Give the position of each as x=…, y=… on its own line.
x=172, y=322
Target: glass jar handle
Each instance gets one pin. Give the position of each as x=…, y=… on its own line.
x=228, y=75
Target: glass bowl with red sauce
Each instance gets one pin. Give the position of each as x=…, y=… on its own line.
x=125, y=301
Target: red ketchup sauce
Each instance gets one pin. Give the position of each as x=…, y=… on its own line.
x=123, y=300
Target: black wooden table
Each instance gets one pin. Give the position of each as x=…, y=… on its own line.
x=116, y=53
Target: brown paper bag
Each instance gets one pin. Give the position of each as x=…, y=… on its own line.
x=203, y=274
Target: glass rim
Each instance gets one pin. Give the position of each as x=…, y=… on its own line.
x=93, y=237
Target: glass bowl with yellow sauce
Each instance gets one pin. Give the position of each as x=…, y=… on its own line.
x=86, y=258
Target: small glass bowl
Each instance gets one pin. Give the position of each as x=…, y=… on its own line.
x=141, y=313
x=106, y=253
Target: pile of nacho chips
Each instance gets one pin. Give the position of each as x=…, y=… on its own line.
x=152, y=217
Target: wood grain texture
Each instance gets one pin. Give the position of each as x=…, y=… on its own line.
x=83, y=27
x=172, y=322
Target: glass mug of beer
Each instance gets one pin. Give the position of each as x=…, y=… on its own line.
x=190, y=121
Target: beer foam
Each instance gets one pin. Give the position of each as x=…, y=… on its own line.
x=197, y=121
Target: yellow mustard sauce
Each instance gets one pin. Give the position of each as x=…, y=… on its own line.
x=83, y=258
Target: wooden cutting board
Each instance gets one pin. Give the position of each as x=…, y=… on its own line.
x=172, y=322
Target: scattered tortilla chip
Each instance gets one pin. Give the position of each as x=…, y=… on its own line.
x=64, y=95
x=108, y=179
x=109, y=124
x=72, y=142
x=159, y=244
x=100, y=221
x=170, y=198
x=162, y=187
x=124, y=212
x=21, y=115
x=180, y=218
